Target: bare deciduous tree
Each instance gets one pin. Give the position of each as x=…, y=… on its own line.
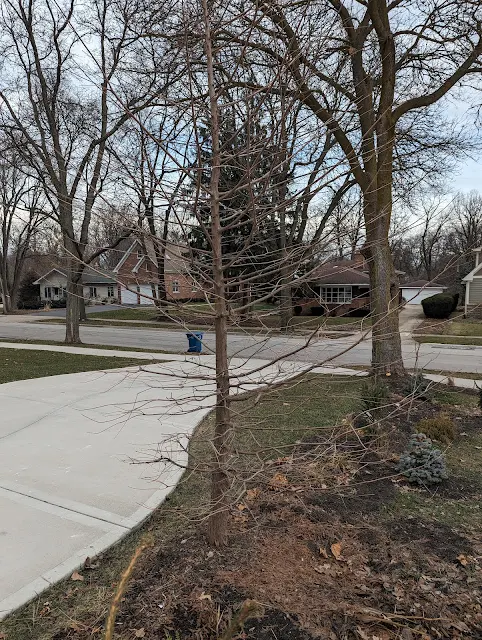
x=67, y=93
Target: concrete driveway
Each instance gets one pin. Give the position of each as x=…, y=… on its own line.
x=67, y=490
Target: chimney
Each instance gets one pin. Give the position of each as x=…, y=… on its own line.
x=359, y=260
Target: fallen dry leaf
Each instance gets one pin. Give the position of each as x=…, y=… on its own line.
x=252, y=494
x=76, y=577
x=336, y=550
x=323, y=552
x=140, y=633
x=88, y=564
x=242, y=507
x=205, y=596
x=278, y=481
x=463, y=560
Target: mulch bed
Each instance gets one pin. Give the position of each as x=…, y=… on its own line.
x=322, y=562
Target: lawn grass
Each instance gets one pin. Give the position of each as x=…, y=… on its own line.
x=126, y=314
x=456, y=325
x=451, y=374
x=270, y=427
x=147, y=318
x=83, y=345
x=19, y=364
x=424, y=339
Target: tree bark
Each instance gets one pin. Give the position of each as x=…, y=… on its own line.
x=5, y=294
x=80, y=296
x=218, y=520
x=72, y=329
x=387, y=357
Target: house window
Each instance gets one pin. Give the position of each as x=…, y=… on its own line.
x=110, y=291
x=140, y=254
x=48, y=293
x=92, y=292
x=175, y=286
x=337, y=295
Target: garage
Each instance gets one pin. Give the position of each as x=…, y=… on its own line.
x=416, y=291
x=145, y=291
x=128, y=297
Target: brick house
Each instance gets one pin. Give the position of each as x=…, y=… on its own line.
x=337, y=287
x=136, y=273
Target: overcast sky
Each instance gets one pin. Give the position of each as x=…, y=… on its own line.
x=469, y=176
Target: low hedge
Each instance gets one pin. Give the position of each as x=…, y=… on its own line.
x=439, y=306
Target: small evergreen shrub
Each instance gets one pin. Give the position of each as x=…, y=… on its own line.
x=438, y=306
x=58, y=304
x=30, y=304
x=373, y=394
x=422, y=463
x=441, y=428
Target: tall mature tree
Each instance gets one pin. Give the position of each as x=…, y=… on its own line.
x=21, y=215
x=364, y=69
x=72, y=82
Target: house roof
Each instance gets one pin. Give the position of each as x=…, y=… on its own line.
x=98, y=276
x=89, y=276
x=175, y=261
x=426, y=284
x=341, y=272
x=44, y=277
x=475, y=272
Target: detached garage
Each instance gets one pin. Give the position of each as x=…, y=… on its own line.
x=416, y=291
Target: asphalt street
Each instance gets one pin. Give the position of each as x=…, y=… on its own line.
x=338, y=351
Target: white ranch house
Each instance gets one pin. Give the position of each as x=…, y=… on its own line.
x=473, y=282
x=97, y=286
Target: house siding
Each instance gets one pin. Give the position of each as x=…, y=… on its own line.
x=146, y=274
x=475, y=291
x=54, y=280
x=58, y=281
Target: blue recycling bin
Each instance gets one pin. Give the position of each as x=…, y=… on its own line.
x=195, y=341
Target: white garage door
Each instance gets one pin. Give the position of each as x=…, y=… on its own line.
x=128, y=297
x=146, y=294
x=415, y=296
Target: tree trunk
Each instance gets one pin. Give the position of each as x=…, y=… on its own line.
x=80, y=295
x=384, y=290
x=72, y=330
x=286, y=302
x=223, y=433
x=5, y=294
